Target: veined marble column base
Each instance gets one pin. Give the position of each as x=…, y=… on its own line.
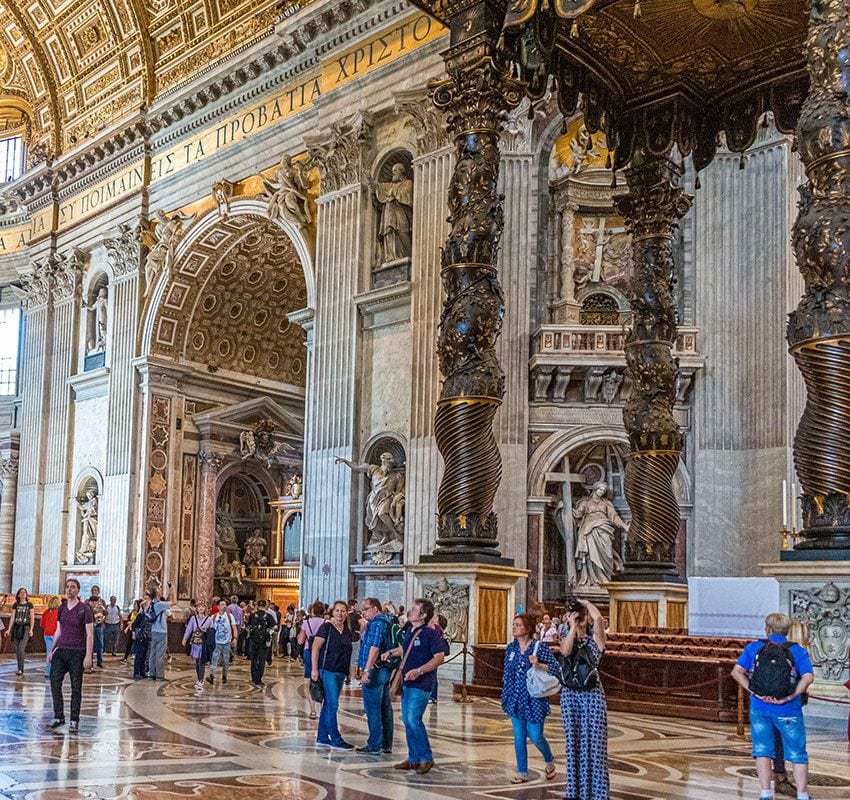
x=827, y=579
x=646, y=604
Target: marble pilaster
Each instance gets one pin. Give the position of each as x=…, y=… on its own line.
x=8, y=500
x=204, y=560
x=517, y=255
x=749, y=396
x=331, y=412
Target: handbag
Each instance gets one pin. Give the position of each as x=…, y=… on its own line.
x=397, y=682
x=541, y=684
x=317, y=688
x=197, y=634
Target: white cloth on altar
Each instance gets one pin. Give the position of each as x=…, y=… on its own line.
x=730, y=606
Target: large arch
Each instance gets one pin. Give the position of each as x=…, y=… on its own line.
x=246, y=258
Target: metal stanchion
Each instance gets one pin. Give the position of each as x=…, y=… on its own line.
x=739, y=731
x=464, y=697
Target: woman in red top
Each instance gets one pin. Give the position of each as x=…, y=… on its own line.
x=49, y=619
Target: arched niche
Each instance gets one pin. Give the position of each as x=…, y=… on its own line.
x=83, y=536
x=392, y=201
x=97, y=313
x=603, y=305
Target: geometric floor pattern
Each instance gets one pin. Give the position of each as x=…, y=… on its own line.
x=165, y=741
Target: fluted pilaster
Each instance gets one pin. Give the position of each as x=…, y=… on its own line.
x=8, y=501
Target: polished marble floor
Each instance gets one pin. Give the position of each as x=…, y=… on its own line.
x=165, y=741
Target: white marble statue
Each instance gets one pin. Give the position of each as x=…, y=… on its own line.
x=395, y=198
x=287, y=192
x=100, y=310
x=162, y=244
x=596, y=557
x=384, y=505
x=88, y=527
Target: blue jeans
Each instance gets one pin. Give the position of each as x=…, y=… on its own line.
x=379, y=711
x=524, y=730
x=48, y=643
x=156, y=655
x=413, y=705
x=328, y=728
x=98, y=644
x=110, y=637
x=792, y=729
x=221, y=653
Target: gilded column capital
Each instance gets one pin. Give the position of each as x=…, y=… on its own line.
x=124, y=251
x=340, y=152
x=68, y=271
x=211, y=461
x=427, y=121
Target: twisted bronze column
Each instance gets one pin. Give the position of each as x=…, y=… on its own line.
x=475, y=97
x=819, y=329
x=651, y=210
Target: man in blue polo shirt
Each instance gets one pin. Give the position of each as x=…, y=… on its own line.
x=374, y=682
x=783, y=714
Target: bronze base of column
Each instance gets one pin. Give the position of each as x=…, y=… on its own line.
x=649, y=561
x=462, y=557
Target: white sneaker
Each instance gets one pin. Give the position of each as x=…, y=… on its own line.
x=199, y=685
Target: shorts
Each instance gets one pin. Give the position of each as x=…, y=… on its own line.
x=791, y=729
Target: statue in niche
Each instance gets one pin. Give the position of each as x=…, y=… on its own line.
x=225, y=543
x=255, y=549
x=88, y=526
x=260, y=444
x=395, y=198
x=611, y=385
x=234, y=582
x=384, y=505
x=99, y=309
x=162, y=243
x=452, y=602
x=287, y=192
x=827, y=613
x=596, y=558
x=582, y=150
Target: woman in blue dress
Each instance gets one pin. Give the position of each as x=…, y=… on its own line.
x=584, y=712
x=528, y=714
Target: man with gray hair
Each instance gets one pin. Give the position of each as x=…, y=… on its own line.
x=776, y=673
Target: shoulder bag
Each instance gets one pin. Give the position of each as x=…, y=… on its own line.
x=317, y=688
x=397, y=681
x=539, y=683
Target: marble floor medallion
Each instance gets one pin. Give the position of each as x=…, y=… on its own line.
x=141, y=740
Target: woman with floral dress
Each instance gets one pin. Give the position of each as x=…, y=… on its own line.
x=584, y=712
x=196, y=627
x=528, y=714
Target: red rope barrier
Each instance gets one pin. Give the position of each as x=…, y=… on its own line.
x=829, y=700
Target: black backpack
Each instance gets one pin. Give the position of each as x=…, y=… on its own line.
x=773, y=671
x=579, y=670
x=142, y=627
x=258, y=630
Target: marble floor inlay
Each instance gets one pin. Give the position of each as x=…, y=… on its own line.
x=162, y=741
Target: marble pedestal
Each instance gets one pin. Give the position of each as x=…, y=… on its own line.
x=646, y=604
x=386, y=582
x=491, y=593
x=818, y=592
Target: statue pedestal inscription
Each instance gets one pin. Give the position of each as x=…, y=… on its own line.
x=646, y=604
x=818, y=593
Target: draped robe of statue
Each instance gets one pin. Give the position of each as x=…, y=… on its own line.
x=596, y=556
x=396, y=199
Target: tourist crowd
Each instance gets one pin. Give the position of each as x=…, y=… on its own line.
x=397, y=652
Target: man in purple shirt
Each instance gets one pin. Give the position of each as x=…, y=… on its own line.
x=71, y=653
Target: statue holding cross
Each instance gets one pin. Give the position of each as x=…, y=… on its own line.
x=588, y=528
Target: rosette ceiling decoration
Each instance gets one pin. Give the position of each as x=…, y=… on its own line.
x=659, y=72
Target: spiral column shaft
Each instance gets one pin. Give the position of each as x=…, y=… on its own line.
x=651, y=210
x=474, y=97
x=819, y=328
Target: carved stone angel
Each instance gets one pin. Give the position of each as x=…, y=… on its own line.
x=161, y=242
x=287, y=192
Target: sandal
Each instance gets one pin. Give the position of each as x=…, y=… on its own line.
x=312, y=715
x=550, y=771
x=519, y=779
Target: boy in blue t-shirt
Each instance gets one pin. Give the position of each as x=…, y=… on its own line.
x=784, y=714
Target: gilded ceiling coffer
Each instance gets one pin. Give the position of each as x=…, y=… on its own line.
x=475, y=97
x=819, y=328
x=651, y=209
